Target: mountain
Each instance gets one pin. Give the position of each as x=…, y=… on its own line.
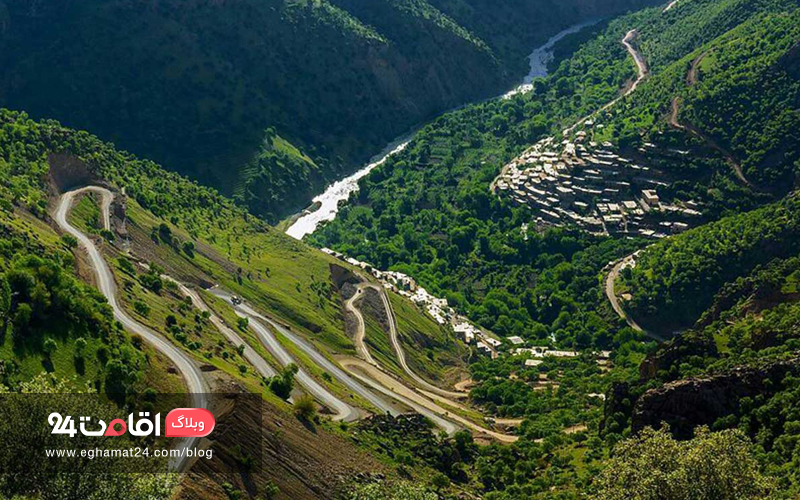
x=196, y=84
x=706, y=271
x=168, y=242
x=589, y=290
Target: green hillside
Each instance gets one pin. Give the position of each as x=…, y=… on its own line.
x=195, y=84
x=674, y=281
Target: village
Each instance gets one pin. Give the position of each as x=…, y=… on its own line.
x=585, y=184
x=438, y=308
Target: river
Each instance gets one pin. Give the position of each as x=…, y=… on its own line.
x=328, y=201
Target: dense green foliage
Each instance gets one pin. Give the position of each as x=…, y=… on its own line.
x=195, y=84
x=393, y=491
x=712, y=466
x=674, y=281
x=428, y=211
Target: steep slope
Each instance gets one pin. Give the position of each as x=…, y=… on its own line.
x=737, y=368
x=194, y=84
x=674, y=281
x=465, y=240
x=158, y=232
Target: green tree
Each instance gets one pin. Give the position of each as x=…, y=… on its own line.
x=283, y=383
x=439, y=481
x=49, y=347
x=712, y=466
x=22, y=320
x=126, y=265
x=69, y=241
x=270, y=490
x=141, y=308
x=5, y=305
x=304, y=408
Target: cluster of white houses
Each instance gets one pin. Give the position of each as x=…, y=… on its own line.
x=586, y=184
x=437, y=308
x=440, y=311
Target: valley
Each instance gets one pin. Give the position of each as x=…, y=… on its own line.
x=326, y=204
x=586, y=287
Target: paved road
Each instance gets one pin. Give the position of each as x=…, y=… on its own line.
x=343, y=410
x=612, y=298
x=422, y=401
x=255, y=359
x=105, y=281
x=447, y=426
x=422, y=404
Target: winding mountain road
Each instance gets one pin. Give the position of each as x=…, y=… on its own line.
x=256, y=360
x=363, y=350
x=421, y=400
x=611, y=278
x=195, y=383
x=343, y=410
x=361, y=330
x=674, y=121
x=401, y=355
x=441, y=416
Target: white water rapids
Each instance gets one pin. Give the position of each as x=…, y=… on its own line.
x=341, y=190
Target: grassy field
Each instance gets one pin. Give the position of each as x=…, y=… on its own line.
x=431, y=350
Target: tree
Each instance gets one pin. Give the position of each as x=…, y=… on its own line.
x=22, y=320
x=271, y=490
x=49, y=347
x=152, y=281
x=439, y=482
x=712, y=466
x=283, y=383
x=242, y=323
x=69, y=241
x=304, y=408
x=126, y=265
x=5, y=301
x=141, y=308
x=188, y=248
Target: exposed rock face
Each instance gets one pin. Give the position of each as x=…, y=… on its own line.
x=686, y=404
x=68, y=171
x=680, y=347
x=341, y=276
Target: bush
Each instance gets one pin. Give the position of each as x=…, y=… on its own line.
x=49, y=347
x=283, y=384
x=305, y=408
x=69, y=241
x=141, y=308
x=126, y=265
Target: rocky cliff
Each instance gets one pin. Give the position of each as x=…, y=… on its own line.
x=686, y=404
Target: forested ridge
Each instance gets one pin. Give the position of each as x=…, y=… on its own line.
x=727, y=289
x=726, y=292
x=197, y=84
